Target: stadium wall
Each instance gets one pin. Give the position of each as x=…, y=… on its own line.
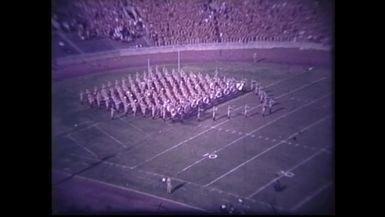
x=279, y=52
x=192, y=47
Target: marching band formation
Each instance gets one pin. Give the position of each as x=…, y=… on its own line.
x=164, y=94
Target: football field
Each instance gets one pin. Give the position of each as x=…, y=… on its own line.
x=280, y=163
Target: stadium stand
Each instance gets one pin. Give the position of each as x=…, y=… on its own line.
x=188, y=22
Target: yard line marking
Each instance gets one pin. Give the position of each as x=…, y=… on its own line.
x=117, y=164
x=268, y=149
x=113, y=138
x=72, y=44
x=180, y=143
x=327, y=151
x=311, y=196
x=133, y=126
x=277, y=82
x=301, y=131
x=140, y=192
x=312, y=148
x=84, y=147
x=77, y=130
x=254, y=131
x=103, y=161
x=281, y=175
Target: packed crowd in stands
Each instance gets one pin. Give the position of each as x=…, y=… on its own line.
x=167, y=22
x=98, y=19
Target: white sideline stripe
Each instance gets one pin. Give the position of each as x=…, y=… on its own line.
x=110, y=43
x=247, y=134
x=289, y=170
x=113, y=138
x=84, y=147
x=173, y=178
x=136, y=191
x=268, y=149
x=216, y=126
x=308, y=198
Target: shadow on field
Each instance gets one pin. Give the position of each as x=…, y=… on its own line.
x=276, y=110
x=85, y=169
x=177, y=187
x=253, y=113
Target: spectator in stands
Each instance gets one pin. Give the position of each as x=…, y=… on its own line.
x=196, y=21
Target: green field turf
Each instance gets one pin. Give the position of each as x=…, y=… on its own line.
x=136, y=152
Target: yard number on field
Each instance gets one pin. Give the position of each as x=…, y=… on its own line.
x=287, y=173
x=211, y=156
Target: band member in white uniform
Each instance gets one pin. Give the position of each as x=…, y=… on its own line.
x=214, y=112
x=229, y=110
x=246, y=110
